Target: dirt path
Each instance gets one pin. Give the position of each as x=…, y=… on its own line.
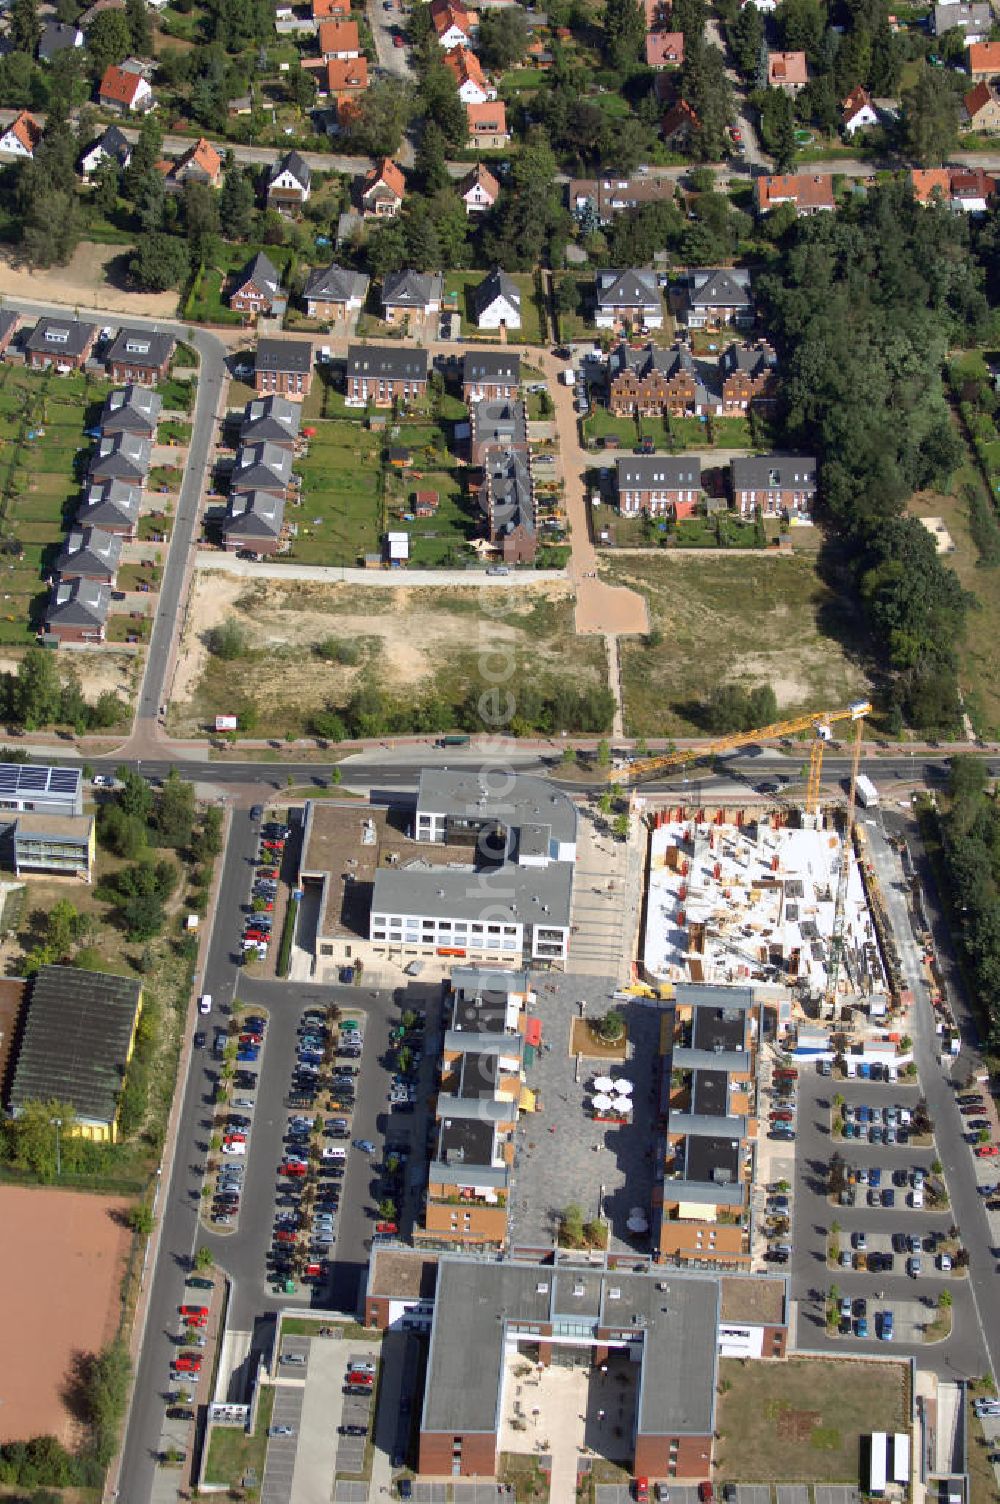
x=84, y=281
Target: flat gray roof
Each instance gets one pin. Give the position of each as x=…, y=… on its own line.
x=733, y=1062
x=676, y=1317
x=504, y=895
x=705, y=995
x=525, y=800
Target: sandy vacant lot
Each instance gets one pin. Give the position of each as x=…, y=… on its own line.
x=409, y=638
x=100, y=669
x=85, y=282
x=61, y=1262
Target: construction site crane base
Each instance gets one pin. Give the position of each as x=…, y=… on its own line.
x=734, y=904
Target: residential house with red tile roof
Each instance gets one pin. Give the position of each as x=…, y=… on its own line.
x=323, y=10
x=487, y=124
x=787, y=71
x=21, y=136
x=124, y=91
x=342, y=79
x=338, y=39
x=479, y=191
x=452, y=24
x=201, y=163
x=664, y=49
x=679, y=124
x=984, y=60
x=811, y=193
x=473, y=85
x=383, y=190
x=858, y=112
x=981, y=107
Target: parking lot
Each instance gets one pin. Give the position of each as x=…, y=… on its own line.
x=906, y=1239
x=282, y=1445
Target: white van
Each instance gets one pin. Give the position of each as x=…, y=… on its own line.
x=335, y=1155
x=205, y=1003
x=917, y=1197
x=852, y=1069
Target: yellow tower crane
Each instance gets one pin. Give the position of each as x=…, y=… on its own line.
x=819, y=722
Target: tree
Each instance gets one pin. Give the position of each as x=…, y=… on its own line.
x=160, y=262
x=33, y=1135
x=143, y=889
x=109, y=40
x=174, y=817
x=145, y=154
x=203, y=1259
x=610, y=1029
x=571, y=1225
x=211, y=831
x=134, y=796
x=140, y=1219
x=227, y=641
x=106, y=186
x=201, y=218
x=624, y=29
x=38, y=691
x=236, y=203
x=431, y=166
x=25, y=27
x=503, y=39
x=930, y=118
x=745, y=38
x=441, y=102
x=383, y=114
x=140, y=27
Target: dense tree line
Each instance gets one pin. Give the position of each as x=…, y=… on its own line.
x=864, y=305
x=970, y=840
x=522, y=709
x=36, y=694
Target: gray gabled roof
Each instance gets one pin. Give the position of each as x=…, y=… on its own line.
x=410, y=289
x=721, y=288
x=262, y=467
x=507, y=495
x=130, y=409
x=60, y=337
x=294, y=163
x=750, y=359
x=633, y=288
x=109, y=503
x=659, y=472
x=271, y=419
x=113, y=143
x=148, y=348
x=89, y=551
x=499, y=422
x=57, y=36
x=291, y=356
x=497, y=285
x=335, y=284
x=386, y=363
x=263, y=273
x=774, y=472
x=122, y=456
x=491, y=366
x=79, y=603
x=254, y=514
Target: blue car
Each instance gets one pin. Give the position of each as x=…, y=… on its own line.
x=862, y=1326
x=885, y=1326
x=247, y=1057
x=875, y=1177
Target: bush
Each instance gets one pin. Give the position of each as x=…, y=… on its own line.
x=338, y=650
x=226, y=641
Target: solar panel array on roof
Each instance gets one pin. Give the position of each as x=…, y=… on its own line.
x=41, y=787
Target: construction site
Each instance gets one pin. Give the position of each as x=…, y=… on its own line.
x=735, y=898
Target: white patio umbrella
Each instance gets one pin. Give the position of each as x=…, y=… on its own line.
x=623, y=1088
x=603, y=1083
x=601, y=1103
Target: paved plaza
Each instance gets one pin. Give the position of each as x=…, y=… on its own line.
x=562, y=1155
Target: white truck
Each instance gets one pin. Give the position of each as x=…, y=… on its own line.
x=866, y=791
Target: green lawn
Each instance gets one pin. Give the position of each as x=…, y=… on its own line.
x=339, y=518
x=437, y=540
x=764, y=618
x=804, y=1419
x=42, y=422
x=231, y=1451
x=668, y=433
x=462, y=284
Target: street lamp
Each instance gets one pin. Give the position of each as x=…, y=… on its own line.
x=57, y=1124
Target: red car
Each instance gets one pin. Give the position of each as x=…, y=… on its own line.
x=641, y=1490
x=188, y=1363
x=397, y=40
x=196, y=1322
x=705, y=1493
x=386, y=1227
x=782, y=1117
x=292, y=1170
x=285, y=1237
x=786, y=1073
x=194, y=1311
x=987, y=1151
x=362, y=1380
x=267, y=871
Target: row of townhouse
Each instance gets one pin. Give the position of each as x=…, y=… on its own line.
x=85, y=571
x=262, y=480
x=665, y=485
x=138, y=356
x=707, y=298
x=479, y=1096
x=379, y=375
x=652, y=382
